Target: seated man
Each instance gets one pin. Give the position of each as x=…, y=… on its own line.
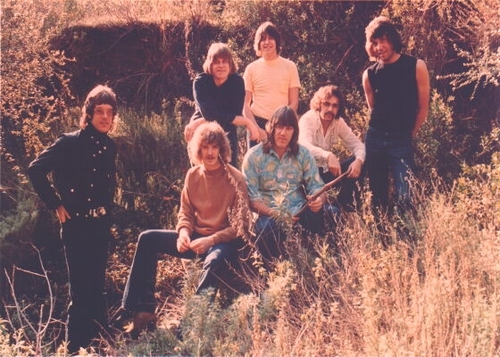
x=320, y=130
x=213, y=216
x=277, y=172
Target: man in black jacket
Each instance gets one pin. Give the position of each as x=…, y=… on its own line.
x=82, y=164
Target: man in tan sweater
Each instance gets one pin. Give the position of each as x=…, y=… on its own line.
x=212, y=220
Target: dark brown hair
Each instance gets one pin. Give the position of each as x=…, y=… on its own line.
x=283, y=116
x=379, y=27
x=100, y=94
x=271, y=30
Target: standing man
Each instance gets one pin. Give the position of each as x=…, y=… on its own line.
x=213, y=216
x=84, y=180
x=281, y=176
x=271, y=81
x=320, y=130
x=397, y=92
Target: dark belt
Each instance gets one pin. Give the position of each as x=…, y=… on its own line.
x=92, y=213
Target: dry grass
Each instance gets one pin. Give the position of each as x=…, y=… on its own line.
x=438, y=296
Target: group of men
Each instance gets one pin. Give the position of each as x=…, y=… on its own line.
x=281, y=175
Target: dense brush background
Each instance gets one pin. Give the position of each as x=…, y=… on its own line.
x=335, y=296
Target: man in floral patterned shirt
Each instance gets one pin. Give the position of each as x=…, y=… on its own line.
x=281, y=176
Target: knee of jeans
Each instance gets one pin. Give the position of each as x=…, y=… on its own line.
x=144, y=238
x=214, y=260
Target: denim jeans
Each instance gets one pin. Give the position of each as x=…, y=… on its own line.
x=270, y=236
x=386, y=152
x=349, y=195
x=140, y=287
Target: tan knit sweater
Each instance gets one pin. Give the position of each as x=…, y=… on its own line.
x=214, y=203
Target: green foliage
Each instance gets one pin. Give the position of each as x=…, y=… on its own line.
x=152, y=161
x=32, y=101
x=434, y=143
x=17, y=227
x=33, y=95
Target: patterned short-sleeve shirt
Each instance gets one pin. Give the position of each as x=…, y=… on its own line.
x=281, y=183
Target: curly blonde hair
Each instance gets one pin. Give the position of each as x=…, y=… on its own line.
x=209, y=133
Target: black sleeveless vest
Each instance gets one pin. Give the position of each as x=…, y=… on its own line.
x=395, y=93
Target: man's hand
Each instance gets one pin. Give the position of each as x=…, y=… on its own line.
x=191, y=127
x=183, y=243
x=202, y=245
x=355, y=168
x=254, y=130
x=263, y=135
x=334, y=165
x=62, y=214
x=316, y=204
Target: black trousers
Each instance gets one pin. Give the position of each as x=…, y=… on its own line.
x=86, y=244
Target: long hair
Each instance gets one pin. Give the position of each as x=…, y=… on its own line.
x=324, y=93
x=216, y=51
x=271, y=30
x=285, y=116
x=209, y=133
x=100, y=94
x=379, y=27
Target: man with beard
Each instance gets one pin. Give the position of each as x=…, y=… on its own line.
x=321, y=128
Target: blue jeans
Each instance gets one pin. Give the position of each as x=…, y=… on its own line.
x=140, y=287
x=270, y=236
x=386, y=152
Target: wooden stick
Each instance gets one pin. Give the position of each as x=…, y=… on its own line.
x=325, y=188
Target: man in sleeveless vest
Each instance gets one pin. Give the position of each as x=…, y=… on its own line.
x=397, y=91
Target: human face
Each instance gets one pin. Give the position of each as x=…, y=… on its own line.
x=282, y=136
x=220, y=69
x=267, y=46
x=384, y=50
x=210, y=156
x=102, y=119
x=329, y=109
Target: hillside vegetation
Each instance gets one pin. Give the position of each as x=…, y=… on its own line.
x=340, y=295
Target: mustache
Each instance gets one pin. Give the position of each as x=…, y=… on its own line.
x=335, y=116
